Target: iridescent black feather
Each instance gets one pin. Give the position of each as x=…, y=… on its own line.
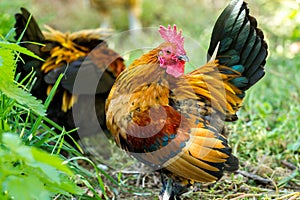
x=242, y=46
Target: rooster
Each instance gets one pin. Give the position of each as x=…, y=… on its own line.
x=83, y=57
x=175, y=122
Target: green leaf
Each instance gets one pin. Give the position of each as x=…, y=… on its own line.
x=31, y=172
x=17, y=48
x=25, y=187
x=8, y=87
x=55, y=161
x=7, y=64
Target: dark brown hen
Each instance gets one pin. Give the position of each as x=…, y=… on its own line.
x=89, y=68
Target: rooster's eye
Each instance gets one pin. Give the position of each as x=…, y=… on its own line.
x=168, y=52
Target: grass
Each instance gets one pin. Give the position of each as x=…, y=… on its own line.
x=266, y=138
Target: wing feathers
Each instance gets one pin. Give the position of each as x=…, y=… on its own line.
x=187, y=170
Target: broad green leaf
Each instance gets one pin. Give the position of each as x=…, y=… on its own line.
x=29, y=170
x=25, y=187
x=55, y=161
x=21, y=96
x=18, y=48
x=9, y=88
x=7, y=64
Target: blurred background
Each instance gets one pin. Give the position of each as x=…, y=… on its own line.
x=279, y=18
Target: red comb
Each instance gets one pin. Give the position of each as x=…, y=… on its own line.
x=170, y=35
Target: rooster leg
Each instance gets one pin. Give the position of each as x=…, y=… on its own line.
x=167, y=191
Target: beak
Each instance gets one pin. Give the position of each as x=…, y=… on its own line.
x=183, y=57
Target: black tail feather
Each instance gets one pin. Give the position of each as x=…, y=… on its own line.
x=30, y=33
x=232, y=164
x=241, y=42
x=27, y=31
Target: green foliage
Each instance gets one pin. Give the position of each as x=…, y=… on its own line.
x=30, y=173
x=7, y=75
x=25, y=172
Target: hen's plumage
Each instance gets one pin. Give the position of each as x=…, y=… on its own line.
x=84, y=57
x=175, y=122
